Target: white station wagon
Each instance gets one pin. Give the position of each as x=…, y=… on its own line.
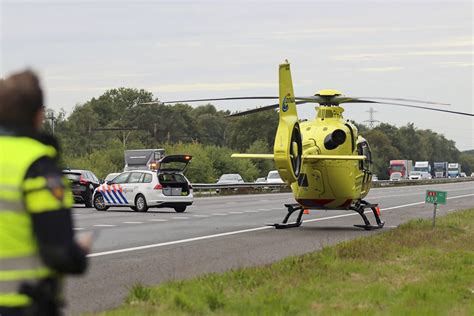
x=142, y=189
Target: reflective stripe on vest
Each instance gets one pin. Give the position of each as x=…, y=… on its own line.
x=19, y=257
x=15, y=206
x=21, y=263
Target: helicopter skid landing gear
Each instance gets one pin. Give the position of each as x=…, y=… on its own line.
x=360, y=207
x=291, y=209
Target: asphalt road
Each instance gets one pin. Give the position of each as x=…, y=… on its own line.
x=221, y=233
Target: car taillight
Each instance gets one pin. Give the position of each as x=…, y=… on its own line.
x=158, y=187
x=83, y=181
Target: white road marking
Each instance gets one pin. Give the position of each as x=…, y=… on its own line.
x=158, y=220
x=382, y=209
x=219, y=214
x=421, y=193
x=251, y=211
x=78, y=228
x=180, y=217
x=182, y=241
x=236, y=212
x=99, y=254
x=133, y=222
x=104, y=225
x=199, y=215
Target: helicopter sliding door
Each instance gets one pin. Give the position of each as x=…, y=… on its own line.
x=365, y=166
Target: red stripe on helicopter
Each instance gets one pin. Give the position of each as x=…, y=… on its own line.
x=347, y=203
x=314, y=202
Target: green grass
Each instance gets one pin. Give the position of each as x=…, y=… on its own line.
x=410, y=270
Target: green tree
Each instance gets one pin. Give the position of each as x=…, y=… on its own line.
x=245, y=130
x=382, y=152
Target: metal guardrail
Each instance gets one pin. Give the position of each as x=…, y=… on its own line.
x=388, y=183
x=238, y=188
x=214, y=186
x=252, y=188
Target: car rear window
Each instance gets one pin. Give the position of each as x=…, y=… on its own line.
x=147, y=178
x=135, y=177
x=171, y=178
x=273, y=175
x=72, y=176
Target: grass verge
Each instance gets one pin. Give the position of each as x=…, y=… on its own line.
x=410, y=270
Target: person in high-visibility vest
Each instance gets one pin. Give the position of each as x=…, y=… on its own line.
x=37, y=244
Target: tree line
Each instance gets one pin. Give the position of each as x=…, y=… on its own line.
x=96, y=133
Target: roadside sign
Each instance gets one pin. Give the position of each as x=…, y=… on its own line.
x=436, y=197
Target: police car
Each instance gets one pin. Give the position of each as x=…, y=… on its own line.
x=142, y=189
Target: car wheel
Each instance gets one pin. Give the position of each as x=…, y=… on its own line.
x=180, y=209
x=88, y=198
x=140, y=203
x=99, y=203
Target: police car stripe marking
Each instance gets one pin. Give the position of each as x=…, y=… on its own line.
x=122, y=196
x=118, y=199
x=110, y=196
x=106, y=198
x=102, y=191
x=116, y=192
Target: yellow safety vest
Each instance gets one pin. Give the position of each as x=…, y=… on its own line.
x=19, y=258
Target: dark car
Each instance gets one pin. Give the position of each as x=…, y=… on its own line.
x=83, y=184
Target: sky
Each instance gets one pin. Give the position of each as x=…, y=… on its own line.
x=202, y=49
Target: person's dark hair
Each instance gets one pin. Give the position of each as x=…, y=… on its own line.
x=20, y=98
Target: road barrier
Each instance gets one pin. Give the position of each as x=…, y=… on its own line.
x=209, y=189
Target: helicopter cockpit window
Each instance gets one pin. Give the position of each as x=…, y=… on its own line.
x=363, y=149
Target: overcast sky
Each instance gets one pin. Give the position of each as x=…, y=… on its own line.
x=192, y=49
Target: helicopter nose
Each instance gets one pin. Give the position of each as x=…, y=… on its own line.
x=336, y=138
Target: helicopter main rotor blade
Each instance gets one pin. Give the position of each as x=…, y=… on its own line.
x=261, y=109
x=404, y=100
x=412, y=106
x=224, y=99
x=344, y=99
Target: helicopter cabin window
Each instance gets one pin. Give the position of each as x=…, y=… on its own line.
x=364, y=149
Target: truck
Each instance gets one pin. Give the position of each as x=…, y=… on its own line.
x=400, y=169
x=143, y=159
x=422, y=170
x=440, y=169
x=454, y=170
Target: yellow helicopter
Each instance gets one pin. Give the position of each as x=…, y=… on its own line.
x=325, y=161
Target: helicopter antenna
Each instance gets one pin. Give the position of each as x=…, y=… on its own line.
x=371, y=119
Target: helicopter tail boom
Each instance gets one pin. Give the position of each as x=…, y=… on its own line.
x=288, y=145
x=256, y=156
